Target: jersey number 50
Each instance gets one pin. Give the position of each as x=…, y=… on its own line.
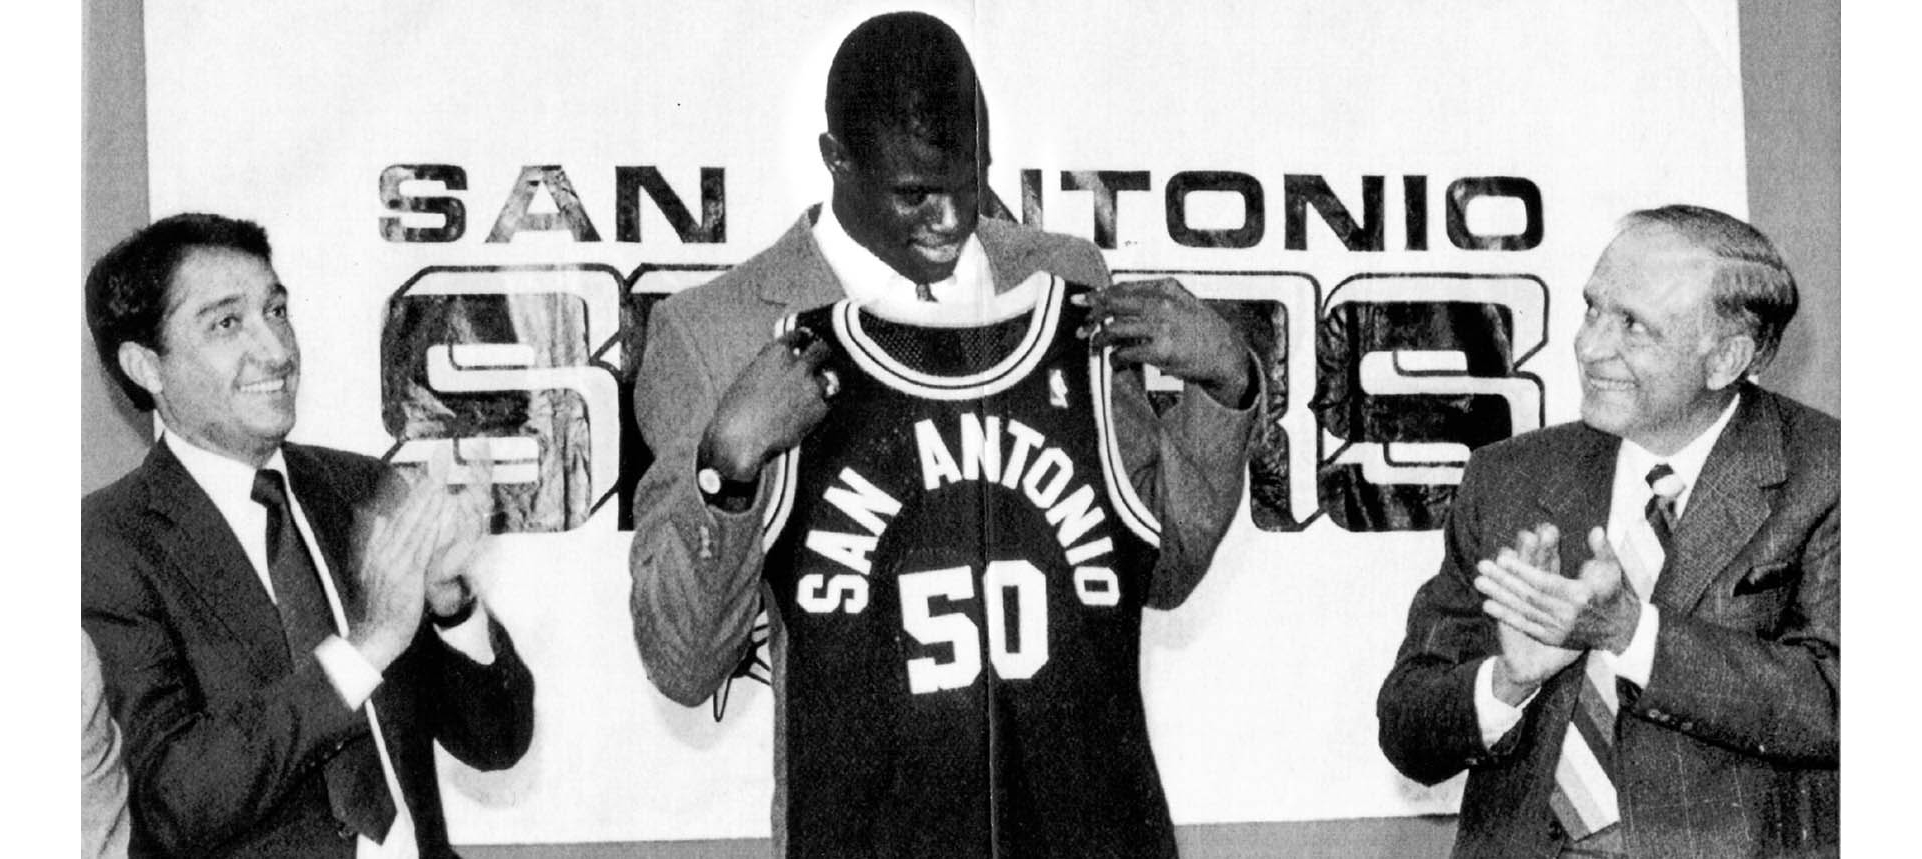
x=1015, y=657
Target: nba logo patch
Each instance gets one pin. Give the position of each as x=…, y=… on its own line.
x=1057, y=389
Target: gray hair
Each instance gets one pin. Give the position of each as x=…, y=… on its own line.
x=1752, y=286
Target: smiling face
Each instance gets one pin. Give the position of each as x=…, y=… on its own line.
x=910, y=203
x=228, y=367
x=1656, y=363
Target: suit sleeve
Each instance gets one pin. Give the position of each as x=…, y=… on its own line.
x=1189, y=465
x=1426, y=707
x=482, y=714
x=1774, y=694
x=697, y=571
x=202, y=774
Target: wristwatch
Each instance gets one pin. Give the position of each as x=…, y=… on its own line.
x=732, y=496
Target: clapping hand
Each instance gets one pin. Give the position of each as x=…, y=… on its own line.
x=1596, y=609
x=1525, y=661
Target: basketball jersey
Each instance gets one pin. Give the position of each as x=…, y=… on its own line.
x=959, y=563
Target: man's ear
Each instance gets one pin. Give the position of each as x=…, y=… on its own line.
x=1729, y=360
x=834, y=155
x=142, y=365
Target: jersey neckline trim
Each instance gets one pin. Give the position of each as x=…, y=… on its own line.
x=1044, y=319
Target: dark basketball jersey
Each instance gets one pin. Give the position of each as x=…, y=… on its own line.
x=959, y=564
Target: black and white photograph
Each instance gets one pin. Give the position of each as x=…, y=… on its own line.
x=986, y=428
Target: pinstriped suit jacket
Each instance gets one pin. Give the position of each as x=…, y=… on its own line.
x=1733, y=749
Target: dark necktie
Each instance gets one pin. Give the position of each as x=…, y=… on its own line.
x=355, y=786
x=924, y=292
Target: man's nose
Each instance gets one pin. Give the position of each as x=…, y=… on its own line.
x=944, y=213
x=1594, y=340
x=273, y=344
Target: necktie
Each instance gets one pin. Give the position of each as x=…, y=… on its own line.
x=356, y=788
x=1665, y=486
x=1584, y=800
x=924, y=292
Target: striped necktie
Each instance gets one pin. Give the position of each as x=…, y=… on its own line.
x=1665, y=488
x=1584, y=799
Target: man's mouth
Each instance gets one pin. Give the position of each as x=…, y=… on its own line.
x=938, y=253
x=266, y=386
x=1601, y=383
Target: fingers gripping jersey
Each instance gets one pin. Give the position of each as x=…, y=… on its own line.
x=960, y=564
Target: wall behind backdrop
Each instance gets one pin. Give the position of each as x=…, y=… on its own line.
x=1287, y=765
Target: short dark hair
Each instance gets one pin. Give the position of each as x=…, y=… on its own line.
x=1752, y=286
x=127, y=289
x=904, y=72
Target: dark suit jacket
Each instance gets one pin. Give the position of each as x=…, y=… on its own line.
x=225, y=735
x=1733, y=748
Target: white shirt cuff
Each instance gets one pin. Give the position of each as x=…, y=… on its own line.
x=350, y=673
x=1492, y=714
x=471, y=637
x=1638, y=659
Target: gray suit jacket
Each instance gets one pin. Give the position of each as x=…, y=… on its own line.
x=1733, y=749
x=697, y=573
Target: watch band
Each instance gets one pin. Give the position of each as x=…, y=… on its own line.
x=457, y=618
x=720, y=493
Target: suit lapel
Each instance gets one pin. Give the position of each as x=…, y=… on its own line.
x=331, y=516
x=1577, y=497
x=802, y=276
x=202, y=549
x=1728, y=503
x=1006, y=265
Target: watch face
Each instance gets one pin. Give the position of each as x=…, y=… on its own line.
x=709, y=480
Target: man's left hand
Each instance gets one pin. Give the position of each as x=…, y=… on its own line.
x=1595, y=610
x=1160, y=322
x=462, y=532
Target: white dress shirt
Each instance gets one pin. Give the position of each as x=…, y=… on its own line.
x=230, y=483
x=964, y=298
x=1628, y=498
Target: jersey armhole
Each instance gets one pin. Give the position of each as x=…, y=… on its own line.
x=781, y=470
x=1114, y=472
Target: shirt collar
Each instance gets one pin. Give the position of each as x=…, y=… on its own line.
x=874, y=284
x=229, y=482
x=1687, y=462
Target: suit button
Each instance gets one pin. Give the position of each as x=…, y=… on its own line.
x=1687, y=726
x=345, y=832
x=1657, y=715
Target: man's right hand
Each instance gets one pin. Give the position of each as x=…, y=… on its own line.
x=778, y=397
x=1525, y=664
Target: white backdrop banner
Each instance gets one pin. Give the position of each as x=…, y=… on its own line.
x=475, y=206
